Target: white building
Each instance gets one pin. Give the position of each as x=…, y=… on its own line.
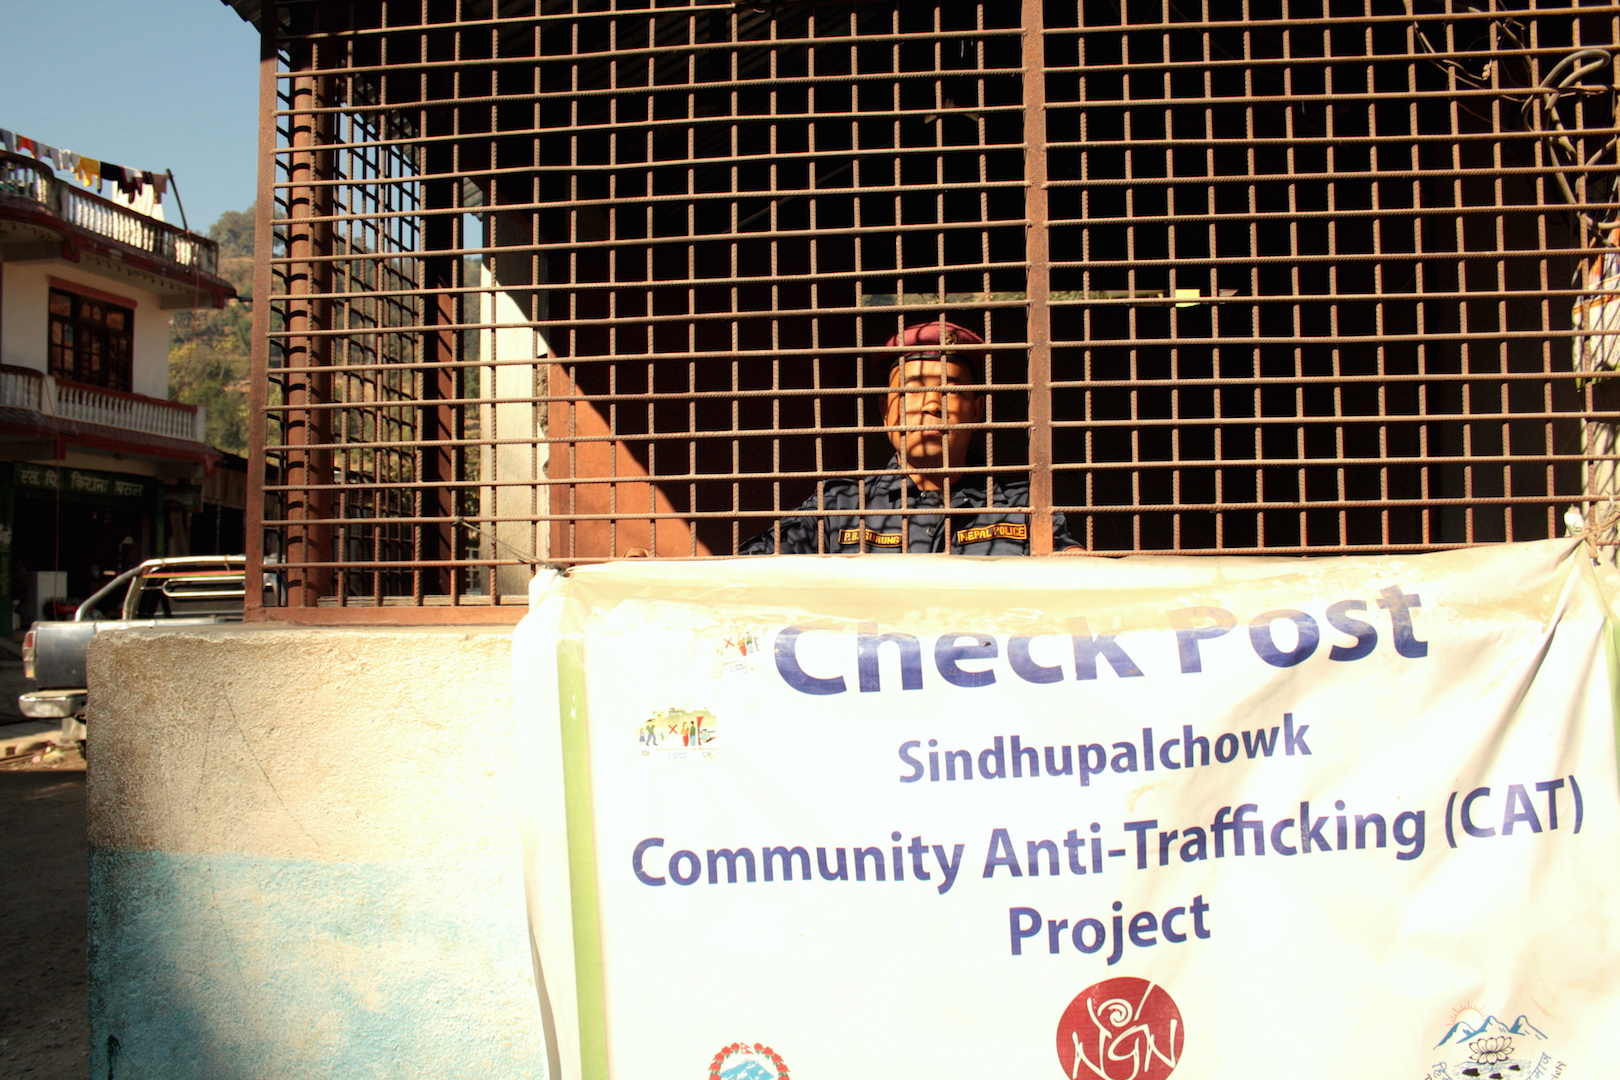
x=94, y=459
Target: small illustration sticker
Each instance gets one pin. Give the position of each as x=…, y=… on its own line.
x=745, y=1061
x=1481, y=1047
x=679, y=735
x=737, y=653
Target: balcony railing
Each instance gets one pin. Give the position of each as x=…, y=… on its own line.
x=24, y=178
x=24, y=388
x=21, y=388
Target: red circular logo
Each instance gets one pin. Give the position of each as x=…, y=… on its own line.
x=1120, y=1029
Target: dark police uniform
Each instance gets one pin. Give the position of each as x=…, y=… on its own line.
x=971, y=527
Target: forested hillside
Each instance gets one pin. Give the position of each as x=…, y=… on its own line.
x=208, y=350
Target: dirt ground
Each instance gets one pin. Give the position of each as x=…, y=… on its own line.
x=44, y=1009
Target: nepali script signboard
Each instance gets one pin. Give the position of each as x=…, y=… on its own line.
x=874, y=817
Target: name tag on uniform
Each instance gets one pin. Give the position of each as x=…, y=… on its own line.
x=1001, y=530
x=871, y=536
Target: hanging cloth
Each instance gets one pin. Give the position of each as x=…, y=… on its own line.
x=89, y=172
x=45, y=152
x=8, y=140
x=68, y=160
x=25, y=144
x=113, y=174
x=137, y=193
x=160, y=186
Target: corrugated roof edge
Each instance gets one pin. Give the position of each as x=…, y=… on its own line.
x=248, y=9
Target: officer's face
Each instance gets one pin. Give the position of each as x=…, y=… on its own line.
x=921, y=398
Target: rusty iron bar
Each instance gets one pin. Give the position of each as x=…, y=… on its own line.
x=258, y=415
x=1037, y=263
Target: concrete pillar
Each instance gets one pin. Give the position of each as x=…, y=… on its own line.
x=514, y=349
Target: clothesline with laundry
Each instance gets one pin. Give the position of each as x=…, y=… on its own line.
x=91, y=172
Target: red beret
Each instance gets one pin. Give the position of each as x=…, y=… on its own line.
x=945, y=337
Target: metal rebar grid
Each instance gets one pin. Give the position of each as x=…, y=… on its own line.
x=1372, y=257
x=567, y=280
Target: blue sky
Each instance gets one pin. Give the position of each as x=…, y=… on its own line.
x=148, y=84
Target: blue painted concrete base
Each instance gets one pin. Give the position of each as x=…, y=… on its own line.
x=227, y=967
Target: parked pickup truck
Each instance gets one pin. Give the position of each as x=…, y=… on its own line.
x=194, y=590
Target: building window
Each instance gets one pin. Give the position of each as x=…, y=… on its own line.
x=91, y=340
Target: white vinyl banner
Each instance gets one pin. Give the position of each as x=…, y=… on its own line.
x=873, y=818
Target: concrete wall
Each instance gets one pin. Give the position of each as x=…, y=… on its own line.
x=304, y=858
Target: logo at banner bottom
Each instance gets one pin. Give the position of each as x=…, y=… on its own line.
x=745, y=1061
x=1120, y=1029
x=1477, y=1045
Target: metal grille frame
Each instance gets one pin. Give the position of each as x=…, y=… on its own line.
x=570, y=280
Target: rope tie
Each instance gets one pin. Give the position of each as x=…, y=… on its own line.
x=1589, y=533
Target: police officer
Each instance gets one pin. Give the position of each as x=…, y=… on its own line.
x=924, y=417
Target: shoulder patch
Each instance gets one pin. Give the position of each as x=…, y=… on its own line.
x=1001, y=530
x=871, y=537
